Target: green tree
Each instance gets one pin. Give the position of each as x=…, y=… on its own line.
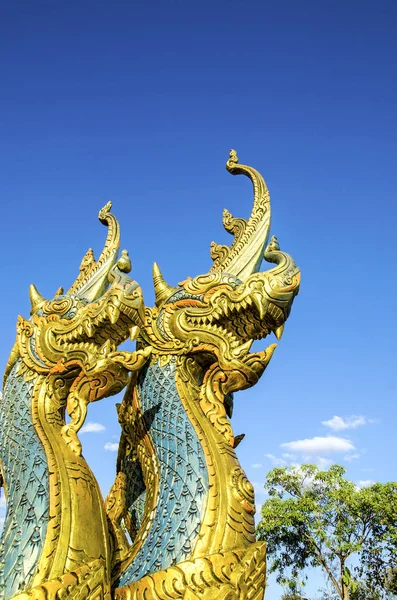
x=293, y=590
x=361, y=592
x=318, y=518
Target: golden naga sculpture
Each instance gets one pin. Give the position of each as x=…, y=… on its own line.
x=178, y=522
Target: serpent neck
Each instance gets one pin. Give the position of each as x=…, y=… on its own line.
x=182, y=478
x=25, y=470
x=50, y=489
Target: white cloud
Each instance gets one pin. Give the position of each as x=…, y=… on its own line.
x=339, y=423
x=288, y=456
x=256, y=466
x=111, y=447
x=316, y=450
x=365, y=483
x=320, y=445
x=276, y=462
x=3, y=502
x=92, y=427
x=353, y=456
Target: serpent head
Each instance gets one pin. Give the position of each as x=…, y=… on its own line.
x=99, y=311
x=223, y=311
x=71, y=340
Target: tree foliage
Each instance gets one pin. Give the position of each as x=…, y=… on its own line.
x=319, y=518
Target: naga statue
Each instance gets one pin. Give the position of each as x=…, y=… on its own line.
x=178, y=522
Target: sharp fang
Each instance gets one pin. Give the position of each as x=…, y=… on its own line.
x=87, y=326
x=113, y=313
x=243, y=349
x=134, y=332
x=279, y=332
x=106, y=348
x=257, y=300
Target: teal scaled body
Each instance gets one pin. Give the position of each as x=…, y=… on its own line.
x=26, y=475
x=183, y=478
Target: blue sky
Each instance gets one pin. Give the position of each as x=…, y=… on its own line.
x=140, y=102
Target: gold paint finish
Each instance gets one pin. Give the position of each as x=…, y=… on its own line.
x=209, y=324
x=68, y=350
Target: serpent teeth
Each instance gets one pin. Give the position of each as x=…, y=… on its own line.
x=134, y=330
x=279, y=331
x=107, y=348
x=113, y=313
x=88, y=328
x=257, y=300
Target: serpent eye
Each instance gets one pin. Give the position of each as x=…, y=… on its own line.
x=60, y=306
x=64, y=306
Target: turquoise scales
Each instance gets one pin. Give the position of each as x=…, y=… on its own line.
x=183, y=479
x=26, y=473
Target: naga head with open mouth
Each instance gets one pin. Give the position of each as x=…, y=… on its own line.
x=235, y=303
x=72, y=339
x=217, y=316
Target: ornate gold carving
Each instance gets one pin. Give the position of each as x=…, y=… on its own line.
x=86, y=583
x=178, y=522
x=233, y=575
x=250, y=237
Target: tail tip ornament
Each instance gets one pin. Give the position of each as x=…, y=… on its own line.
x=105, y=211
x=232, y=161
x=244, y=256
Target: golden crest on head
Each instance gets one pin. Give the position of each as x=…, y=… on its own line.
x=36, y=299
x=161, y=288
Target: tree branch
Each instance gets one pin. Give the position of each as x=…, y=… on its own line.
x=323, y=563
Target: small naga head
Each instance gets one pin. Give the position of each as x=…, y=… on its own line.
x=218, y=315
x=78, y=331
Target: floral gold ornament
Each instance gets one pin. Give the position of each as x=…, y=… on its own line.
x=178, y=522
